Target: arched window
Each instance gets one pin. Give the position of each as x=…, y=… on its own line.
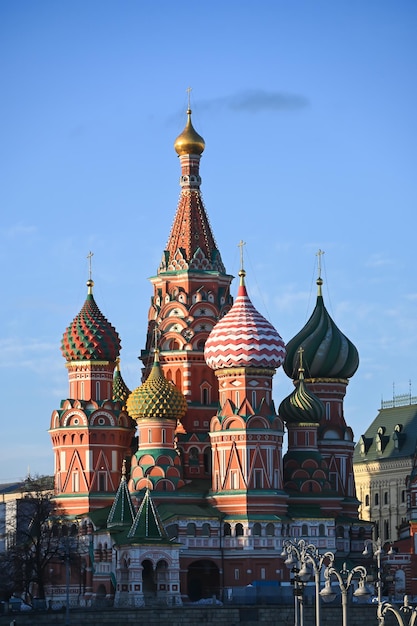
x=270, y=530
x=322, y=530
x=376, y=499
x=239, y=530
x=207, y=460
x=256, y=530
x=227, y=530
x=205, y=530
x=193, y=456
x=367, y=499
x=340, y=532
x=191, y=529
x=172, y=531
x=304, y=530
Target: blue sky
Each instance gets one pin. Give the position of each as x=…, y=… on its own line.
x=308, y=110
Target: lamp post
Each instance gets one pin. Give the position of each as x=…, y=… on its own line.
x=406, y=609
x=294, y=553
x=345, y=579
x=306, y=559
x=377, y=552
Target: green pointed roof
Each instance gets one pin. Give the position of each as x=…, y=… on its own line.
x=122, y=512
x=147, y=526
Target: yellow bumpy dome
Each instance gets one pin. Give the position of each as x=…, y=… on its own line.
x=157, y=397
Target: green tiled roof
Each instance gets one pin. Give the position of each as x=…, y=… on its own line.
x=392, y=434
x=147, y=525
x=187, y=511
x=99, y=516
x=122, y=512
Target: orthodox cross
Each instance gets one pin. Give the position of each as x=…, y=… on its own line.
x=189, y=90
x=240, y=245
x=319, y=254
x=89, y=257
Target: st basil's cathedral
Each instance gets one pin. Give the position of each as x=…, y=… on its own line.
x=181, y=488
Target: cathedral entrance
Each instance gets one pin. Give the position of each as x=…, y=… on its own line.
x=148, y=581
x=203, y=580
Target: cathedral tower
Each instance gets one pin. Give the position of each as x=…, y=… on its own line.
x=329, y=360
x=91, y=433
x=191, y=292
x=244, y=350
x=157, y=406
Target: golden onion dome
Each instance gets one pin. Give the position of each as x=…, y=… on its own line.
x=157, y=397
x=189, y=141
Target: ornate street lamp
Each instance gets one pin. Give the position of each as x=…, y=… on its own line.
x=307, y=560
x=345, y=579
x=405, y=609
x=377, y=551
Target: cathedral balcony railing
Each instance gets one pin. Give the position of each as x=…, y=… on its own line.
x=201, y=542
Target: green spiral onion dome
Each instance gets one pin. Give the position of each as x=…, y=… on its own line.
x=328, y=353
x=90, y=337
x=301, y=406
x=157, y=397
x=121, y=391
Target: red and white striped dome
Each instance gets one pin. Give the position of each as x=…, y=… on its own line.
x=243, y=337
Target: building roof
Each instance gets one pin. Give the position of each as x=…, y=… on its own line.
x=122, y=512
x=147, y=527
x=392, y=434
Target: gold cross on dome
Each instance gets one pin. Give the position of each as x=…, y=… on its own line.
x=319, y=254
x=189, y=90
x=240, y=245
x=89, y=257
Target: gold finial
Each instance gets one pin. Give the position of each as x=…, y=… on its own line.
x=189, y=90
x=124, y=472
x=319, y=281
x=242, y=272
x=90, y=282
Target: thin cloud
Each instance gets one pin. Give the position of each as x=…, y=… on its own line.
x=256, y=101
x=252, y=101
x=15, y=353
x=379, y=260
x=18, y=230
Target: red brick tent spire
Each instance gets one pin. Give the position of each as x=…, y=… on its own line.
x=191, y=292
